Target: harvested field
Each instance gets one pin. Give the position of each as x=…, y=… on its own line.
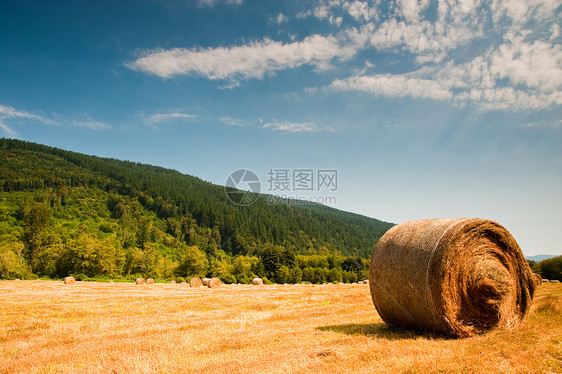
x=47, y=327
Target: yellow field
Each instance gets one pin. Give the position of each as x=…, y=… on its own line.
x=48, y=327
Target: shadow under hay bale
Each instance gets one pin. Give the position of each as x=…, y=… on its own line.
x=139, y=281
x=461, y=277
x=69, y=280
x=195, y=282
x=214, y=283
x=257, y=281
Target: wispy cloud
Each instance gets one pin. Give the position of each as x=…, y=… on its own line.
x=212, y=3
x=11, y=114
x=157, y=120
x=520, y=70
x=8, y=131
x=288, y=126
x=253, y=60
x=229, y=121
x=8, y=112
x=91, y=124
x=167, y=117
x=496, y=55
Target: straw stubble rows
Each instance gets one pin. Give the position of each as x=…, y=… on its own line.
x=49, y=327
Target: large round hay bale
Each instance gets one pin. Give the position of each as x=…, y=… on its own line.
x=69, y=280
x=139, y=281
x=459, y=276
x=150, y=281
x=537, y=278
x=214, y=283
x=206, y=281
x=195, y=282
x=257, y=281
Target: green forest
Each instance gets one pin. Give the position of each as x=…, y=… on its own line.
x=65, y=213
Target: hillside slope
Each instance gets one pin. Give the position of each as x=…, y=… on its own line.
x=139, y=208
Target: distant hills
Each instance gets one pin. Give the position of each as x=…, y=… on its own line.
x=112, y=217
x=539, y=258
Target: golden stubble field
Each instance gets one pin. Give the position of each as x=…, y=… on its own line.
x=93, y=327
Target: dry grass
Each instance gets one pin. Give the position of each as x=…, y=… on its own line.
x=46, y=327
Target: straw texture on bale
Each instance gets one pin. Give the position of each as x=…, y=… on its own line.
x=206, y=281
x=195, y=282
x=257, y=281
x=214, y=283
x=69, y=280
x=140, y=281
x=458, y=276
x=537, y=278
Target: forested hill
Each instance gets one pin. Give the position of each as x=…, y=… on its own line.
x=139, y=208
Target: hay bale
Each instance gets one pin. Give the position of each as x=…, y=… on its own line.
x=257, y=281
x=173, y=282
x=195, y=282
x=554, y=281
x=461, y=277
x=214, y=283
x=140, y=281
x=111, y=282
x=537, y=278
x=69, y=280
x=150, y=281
x=206, y=281
x=545, y=281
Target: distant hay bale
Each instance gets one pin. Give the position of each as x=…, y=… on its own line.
x=150, y=281
x=257, y=281
x=140, y=281
x=206, y=281
x=111, y=282
x=461, y=277
x=69, y=280
x=366, y=281
x=214, y=283
x=173, y=282
x=195, y=282
x=545, y=280
x=537, y=278
x=554, y=281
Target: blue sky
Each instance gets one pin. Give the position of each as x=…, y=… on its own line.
x=425, y=108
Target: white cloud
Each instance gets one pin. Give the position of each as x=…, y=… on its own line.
x=229, y=121
x=281, y=18
x=91, y=124
x=247, y=61
x=8, y=131
x=289, y=126
x=394, y=86
x=167, y=117
x=7, y=112
x=361, y=10
x=212, y=3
